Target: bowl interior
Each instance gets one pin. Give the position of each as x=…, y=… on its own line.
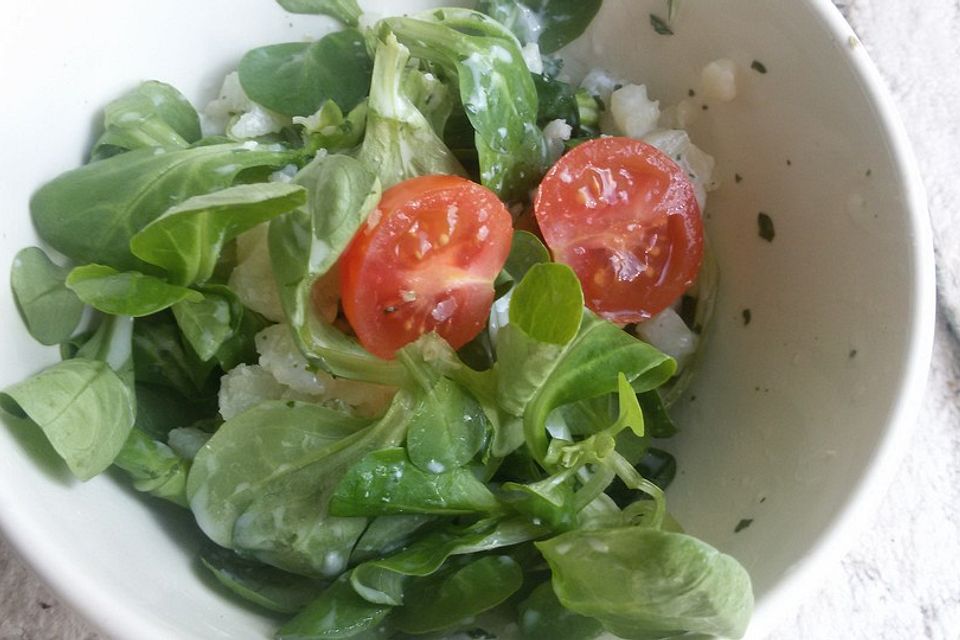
x=790, y=413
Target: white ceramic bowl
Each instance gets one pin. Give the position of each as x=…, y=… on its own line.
x=786, y=429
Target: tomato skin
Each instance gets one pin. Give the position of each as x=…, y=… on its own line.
x=625, y=218
x=425, y=261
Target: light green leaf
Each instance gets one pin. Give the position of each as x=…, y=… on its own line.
x=447, y=429
x=542, y=616
x=82, y=406
x=154, y=467
x=646, y=584
x=50, y=310
x=262, y=484
x=187, y=240
x=126, y=293
x=496, y=90
x=346, y=11
x=552, y=24
x=547, y=305
x=152, y=115
x=400, y=142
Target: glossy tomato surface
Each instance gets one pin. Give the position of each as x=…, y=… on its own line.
x=425, y=261
x=625, y=217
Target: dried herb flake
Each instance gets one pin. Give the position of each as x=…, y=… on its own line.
x=660, y=25
x=758, y=66
x=743, y=524
x=765, y=225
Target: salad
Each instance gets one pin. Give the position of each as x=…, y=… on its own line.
x=398, y=318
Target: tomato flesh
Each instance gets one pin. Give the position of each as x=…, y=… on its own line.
x=625, y=218
x=425, y=261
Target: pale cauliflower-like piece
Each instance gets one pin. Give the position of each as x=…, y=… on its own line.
x=698, y=164
x=634, y=114
x=532, y=58
x=280, y=357
x=246, y=386
x=555, y=134
x=719, y=80
x=252, y=279
x=234, y=114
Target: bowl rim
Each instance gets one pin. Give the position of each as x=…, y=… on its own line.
x=90, y=600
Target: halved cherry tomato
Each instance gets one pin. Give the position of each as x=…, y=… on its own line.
x=425, y=261
x=625, y=218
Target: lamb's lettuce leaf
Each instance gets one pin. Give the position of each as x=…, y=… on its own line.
x=296, y=78
x=186, y=241
x=50, y=310
x=400, y=142
x=152, y=115
x=496, y=90
x=128, y=293
x=346, y=11
x=645, y=584
x=552, y=24
x=91, y=213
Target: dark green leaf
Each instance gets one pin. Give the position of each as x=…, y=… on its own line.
x=91, y=213
x=263, y=585
x=346, y=11
x=526, y=250
x=296, y=78
x=445, y=600
x=337, y=614
x=542, y=616
x=162, y=408
x=551, y=23
x=50, y=310
x=220, y=326
x=550, y=501
x=658, y=421
x=386, y=483
x=558, y=101
x=83, y=407
x=447, y=429
x=187, y=240
x=160, y=358
x=386, y=534
x=644, y=583
x=152, y=115
x=126, y=293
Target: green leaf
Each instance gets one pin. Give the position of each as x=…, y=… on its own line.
x=50, y=310
x=91, y=213
x=346, y=11
x=260, y=584
x=586, y=369
x=386, y=483
x=496, y=90
x=305, y=244
x=447, y=429
x=445, y=600
x=152, y=115
x=645, y=584
x=558, y=101
x=126, y=294
x=329, y=129
x=547, y=305
x=338, y=613
x=162, y=359
x=659, y=422
x=220, y=327
x=386, y=534
x=400, y=142
x=552, y=24
x=262, y=484
x=550, y=500
x=296, y=78
x=83, y=407
x=154, y=467
x=542, y=616
x=526, y=250
x=187, y=240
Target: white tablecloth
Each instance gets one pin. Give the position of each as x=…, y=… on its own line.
x=901, y=580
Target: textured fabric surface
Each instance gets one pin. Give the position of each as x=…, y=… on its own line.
x=901, y=579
